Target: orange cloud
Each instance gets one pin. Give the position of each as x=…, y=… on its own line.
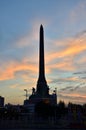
x=14, y=68
x=82, y=60
x=74, y=47
x=72, y=97
x=63, y=66
x=76, y=95
x=66, y=55
x=9, y=71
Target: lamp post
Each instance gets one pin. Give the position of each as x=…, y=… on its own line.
x=26, y=93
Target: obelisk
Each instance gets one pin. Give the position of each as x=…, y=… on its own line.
x=42, y=88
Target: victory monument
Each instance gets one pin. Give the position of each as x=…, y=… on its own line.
x=41, y=93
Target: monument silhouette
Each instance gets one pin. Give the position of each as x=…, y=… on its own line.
x=41, y=93
x=42, y=87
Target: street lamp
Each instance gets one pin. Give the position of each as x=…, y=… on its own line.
x=26, y=93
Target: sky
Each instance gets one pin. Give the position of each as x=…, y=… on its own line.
x=64, y=23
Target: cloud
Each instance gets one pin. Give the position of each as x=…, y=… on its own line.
x=81, y=34
x=65, y=80
x=14, y=68
x=63, y=56
x=74, y=93
x=21, y=87
x=74, y=98
x=71, y=49
x=63, y=65
x=66, y=88
x=78, y=13
x=84, y=72
x=71, y=88
x=25, y=69
x=60, y=60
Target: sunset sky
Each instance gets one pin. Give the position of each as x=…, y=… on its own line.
x=64, y=24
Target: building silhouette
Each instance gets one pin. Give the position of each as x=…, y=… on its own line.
x=1, y=101
x=41, y=93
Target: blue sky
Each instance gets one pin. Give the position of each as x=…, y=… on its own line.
x=64, y=24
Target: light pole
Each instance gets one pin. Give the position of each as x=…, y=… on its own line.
x=26, y=93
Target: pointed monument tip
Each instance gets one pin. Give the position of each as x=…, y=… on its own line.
x=41, y=26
